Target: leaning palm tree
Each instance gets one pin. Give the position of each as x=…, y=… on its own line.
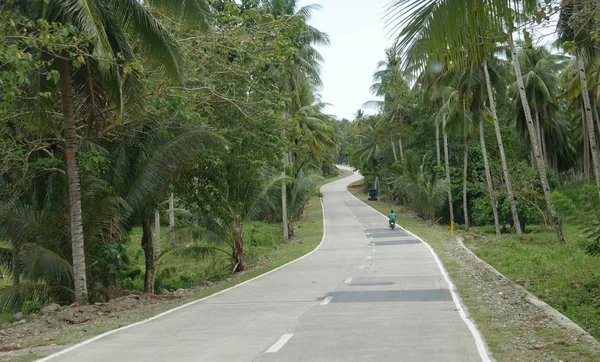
x=540, y=71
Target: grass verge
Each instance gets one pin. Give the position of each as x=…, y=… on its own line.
x=509, y=337
x=563, y=276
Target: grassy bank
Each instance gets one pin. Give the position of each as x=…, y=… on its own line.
x=561, y=275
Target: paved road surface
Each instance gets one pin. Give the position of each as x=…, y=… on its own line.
x=368, y=294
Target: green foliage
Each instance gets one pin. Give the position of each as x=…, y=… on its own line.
x=420, y=184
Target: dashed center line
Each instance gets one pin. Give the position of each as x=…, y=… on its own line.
x=370, y=257
x=326, y=300
x=280, y=343
x=361, y=267
x=348, y=281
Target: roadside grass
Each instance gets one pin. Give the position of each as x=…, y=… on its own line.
x=562, y=276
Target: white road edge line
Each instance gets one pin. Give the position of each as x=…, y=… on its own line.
x=326, y=301
x=280, y=343
x=93, y=339
x=481, y=347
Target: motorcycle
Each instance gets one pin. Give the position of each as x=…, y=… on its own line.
x=392, y=225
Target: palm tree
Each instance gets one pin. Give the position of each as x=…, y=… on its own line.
x=392, y=86
x=541, y=69
x=145, y=165
x=444, y=22
x=458, y=117
x=424, y=190
x=577, y=20
x=108, y=26
x=305, y=66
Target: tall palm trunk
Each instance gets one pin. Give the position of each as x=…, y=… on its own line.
x=284, y=217
x=437, y=145
x=171, y=212
x=488, y=175
x=401, y=148
x=590, y=120
x=157, y=230
x=534, y=142
x=596, y=116
x=394, y=150
x=586, y=147
x=447, y=164
x=538, y=127
x=70, y=130
x=465, y=170
x=505, y=172
x=148, y=255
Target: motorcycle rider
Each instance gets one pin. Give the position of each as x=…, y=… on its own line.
x=392, y=217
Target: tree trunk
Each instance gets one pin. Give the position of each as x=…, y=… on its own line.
x=538, y=126
x=586, y=147
x=171, y=212
x=70, y=134
x=148, y=255
x=465, y=170
x=437, y=145
x=284, y=216
x=239, y=255
x=447, y=164
x=394, y=150
x=401, y=148
x=596, y=116
x=505, y=172
x=488, y=175
x=16, y=270
x=538, y=129
x=590, y=120
x=534, y=142
x=16, y=264
x=157, y=230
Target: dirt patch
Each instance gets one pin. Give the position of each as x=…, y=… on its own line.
x=29, y=335
x=515, y=328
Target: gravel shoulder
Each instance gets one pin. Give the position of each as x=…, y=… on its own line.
x=514, y=327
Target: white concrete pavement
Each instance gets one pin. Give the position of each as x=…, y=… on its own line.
x=368, y=293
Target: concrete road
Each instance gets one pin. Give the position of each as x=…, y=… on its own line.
x=367, y=294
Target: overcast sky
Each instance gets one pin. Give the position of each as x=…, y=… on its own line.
x=358, y=43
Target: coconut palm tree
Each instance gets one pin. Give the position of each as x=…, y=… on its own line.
x=444, y=22
x=145, y=166
x=390, y=83
x=577, y=21
x=306, y=65
x=540, y=71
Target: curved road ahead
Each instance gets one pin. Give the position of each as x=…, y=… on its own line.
x=367, y=294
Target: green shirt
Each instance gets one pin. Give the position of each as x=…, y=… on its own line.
x=392, y=216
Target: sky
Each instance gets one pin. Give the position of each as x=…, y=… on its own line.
x=358, y=42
